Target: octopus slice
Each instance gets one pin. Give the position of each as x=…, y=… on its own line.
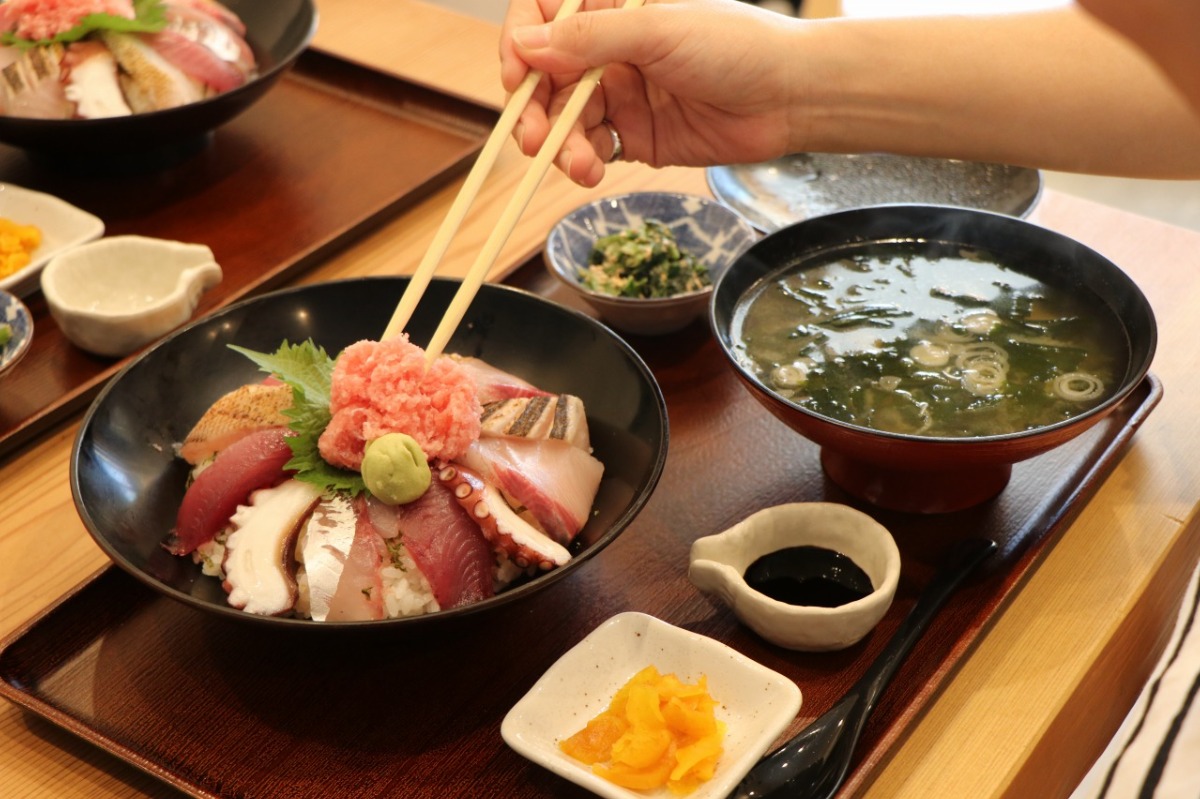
x=259, y=567
x=509, y=534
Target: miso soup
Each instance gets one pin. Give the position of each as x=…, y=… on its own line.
x=930, y=340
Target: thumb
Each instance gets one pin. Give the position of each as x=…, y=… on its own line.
x=586, y=40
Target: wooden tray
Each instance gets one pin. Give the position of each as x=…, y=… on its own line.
x=331, y=151
x=221, y=709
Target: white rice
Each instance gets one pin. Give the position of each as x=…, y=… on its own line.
x=406, y=592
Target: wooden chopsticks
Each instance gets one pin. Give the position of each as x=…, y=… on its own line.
x=512, y=212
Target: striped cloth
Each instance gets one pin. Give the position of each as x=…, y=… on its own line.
x=1156, y=752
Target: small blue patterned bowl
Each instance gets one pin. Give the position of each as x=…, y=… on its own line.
x=703, y=227
x=14, y=314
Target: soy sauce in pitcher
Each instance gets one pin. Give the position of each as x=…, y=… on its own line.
x=809, y=575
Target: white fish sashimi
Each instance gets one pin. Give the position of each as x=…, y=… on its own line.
x=559, y=417
x=552, y=480
x=204, y=9
x=359, y=594
x=493, y=384
x=31, y=83
x=200, y=62
x=324, y=548
x=150, y=82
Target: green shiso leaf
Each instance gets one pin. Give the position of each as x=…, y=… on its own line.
x=150, y=16
x=308, y=369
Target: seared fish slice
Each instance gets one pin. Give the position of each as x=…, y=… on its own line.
x=233, y=416
x=150, y=82
x=557, y=417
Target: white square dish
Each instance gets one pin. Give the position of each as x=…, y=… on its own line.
x=756, y=703
x=63, y=226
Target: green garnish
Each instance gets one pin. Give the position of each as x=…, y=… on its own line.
x=643, y=262
x=308, y=369
x=150, y=16
x=5, y=333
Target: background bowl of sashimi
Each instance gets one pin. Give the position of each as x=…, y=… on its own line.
x=278, y=31
x=127, y=482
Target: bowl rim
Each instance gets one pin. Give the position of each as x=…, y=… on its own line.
x=638, y=502
x=1136, y=373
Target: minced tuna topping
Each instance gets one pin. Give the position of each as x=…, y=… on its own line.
x=382, y=387
x=44, y=19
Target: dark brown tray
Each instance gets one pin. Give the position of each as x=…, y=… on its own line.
x=331, y=151
x=217, y=708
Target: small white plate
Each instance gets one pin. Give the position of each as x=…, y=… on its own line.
x=14, y=313
x=63, y=226
x=755, y=703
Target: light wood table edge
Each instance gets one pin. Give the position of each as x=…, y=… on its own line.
x=1135, y=648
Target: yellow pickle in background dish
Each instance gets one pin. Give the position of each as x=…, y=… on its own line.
x=17, y=243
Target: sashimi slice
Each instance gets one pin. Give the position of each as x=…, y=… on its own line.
x=234, y=415
x=560, y=417
x=150, y=82
x=509, y=534
x=259, y=566
x=204, y=9
x=359, y=595
x=492, y=384
x=198, y=61
x=251, y=463
x=31, y=83
x=554, y=481
x=324, y=548
x=446, y=545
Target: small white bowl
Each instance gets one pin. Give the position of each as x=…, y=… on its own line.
x=756, y=703
x=14, y=313
x=113, y=296
x=63, y=226
x=703, y=227
x=719, y=562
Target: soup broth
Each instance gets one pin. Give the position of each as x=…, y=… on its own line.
x=921, y=339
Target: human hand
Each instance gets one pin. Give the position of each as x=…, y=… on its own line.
x=687, y=82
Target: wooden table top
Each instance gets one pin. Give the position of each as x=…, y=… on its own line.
x=1027, y=709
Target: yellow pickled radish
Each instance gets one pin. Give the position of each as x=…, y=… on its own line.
x=657, y=731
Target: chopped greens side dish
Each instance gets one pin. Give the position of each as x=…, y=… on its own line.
x=643, y=262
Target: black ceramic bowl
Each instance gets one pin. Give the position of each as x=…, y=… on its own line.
x=277, y=31
x=127, y=483
x=921, y=473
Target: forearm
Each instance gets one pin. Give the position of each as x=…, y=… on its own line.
x=1063, y=93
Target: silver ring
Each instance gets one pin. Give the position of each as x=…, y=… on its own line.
x=618, y=148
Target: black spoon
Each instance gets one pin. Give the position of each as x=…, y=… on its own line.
x=814, y=763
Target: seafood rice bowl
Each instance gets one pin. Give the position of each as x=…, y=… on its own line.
x=103, y=76
x=364, y=485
